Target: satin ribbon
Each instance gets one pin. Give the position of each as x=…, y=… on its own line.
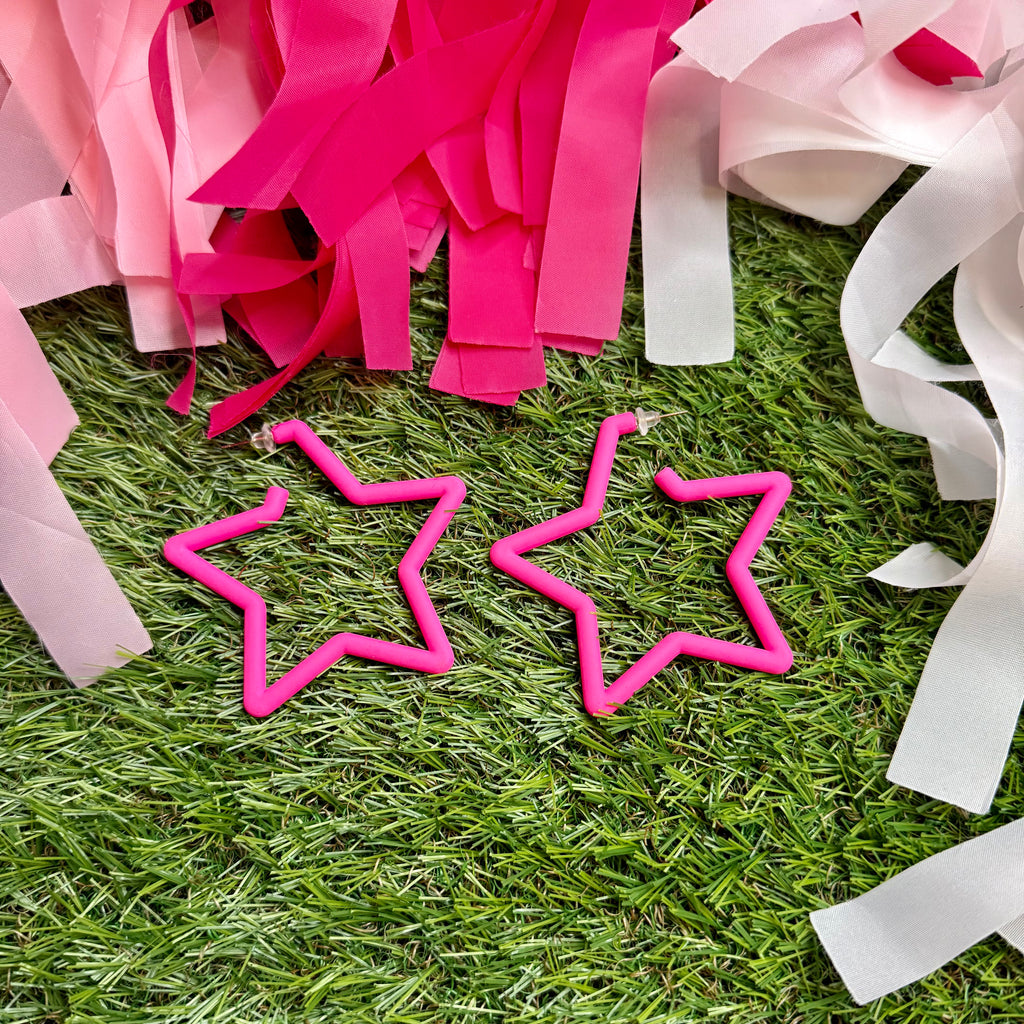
x=921, y=919
x=955, y=741
x=954, y=745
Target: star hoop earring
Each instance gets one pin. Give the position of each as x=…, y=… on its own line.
x=773, y=656
x=258, y=697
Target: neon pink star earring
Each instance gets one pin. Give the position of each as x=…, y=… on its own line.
x=260, y=699
x=773, y=656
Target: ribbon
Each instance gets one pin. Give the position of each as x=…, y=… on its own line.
x=956, y=738
x=53, y=573
x=823, y=143
x=951, y=748
x=954, y=746
x=922, y=918
x=48, y=565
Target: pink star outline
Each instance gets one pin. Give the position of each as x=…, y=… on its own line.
x=774, y=656
x=258, y=697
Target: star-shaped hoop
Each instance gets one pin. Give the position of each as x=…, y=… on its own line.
x=258, y=697
x=773, y=656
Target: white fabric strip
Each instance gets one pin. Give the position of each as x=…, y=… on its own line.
x=952, y=748
x=726, y=37
x=682, y=200
x=966, y=708
x=824, y=143
x=958, y=732
x=918, y=921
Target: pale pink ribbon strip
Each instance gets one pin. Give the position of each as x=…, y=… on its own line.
x=48, y=565
x=53, y=573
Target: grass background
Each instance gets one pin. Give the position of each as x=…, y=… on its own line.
x=396, y=847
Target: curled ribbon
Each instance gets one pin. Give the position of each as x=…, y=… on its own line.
x=963, y=204
x=805, y=108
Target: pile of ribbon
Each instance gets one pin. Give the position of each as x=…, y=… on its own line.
x=197, y=137
x=816, y=109
x=287, y=163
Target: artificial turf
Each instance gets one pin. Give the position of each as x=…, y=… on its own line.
x=395, y=847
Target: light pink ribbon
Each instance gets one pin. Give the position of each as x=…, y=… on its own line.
x=48, y=565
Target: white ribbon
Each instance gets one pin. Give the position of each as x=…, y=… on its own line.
x=918, y=921
x=815, y=116
x=826, y=142
x=965, y=711
x=952, y=747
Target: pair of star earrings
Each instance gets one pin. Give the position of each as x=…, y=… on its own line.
x=448, y=492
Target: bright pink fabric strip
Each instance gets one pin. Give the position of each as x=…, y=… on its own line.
x=418, y=101
x=379, y=251
x=460, y=161
x=227, y=273
x=447, y=377
x=340, y=310
x=568, y=343
x=279, y=319
x=458, y=157
x=541, y=100
x=333, y=52
x=593, y=195
x=419, y=259
x=489, y=370
x=52, y=571
x=492, y=296
x=930, y=57
x=282, y=319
